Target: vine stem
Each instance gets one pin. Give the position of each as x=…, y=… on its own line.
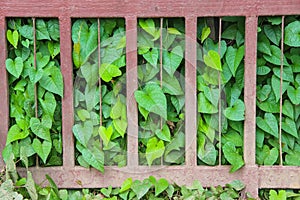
x=35, y=85
x=281, y=82
x=99, y=80
x=220, y=103
x=161, y=67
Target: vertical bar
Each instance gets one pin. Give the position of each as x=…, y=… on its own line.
x=4, y=114
x=220, y=89
x=190, y=90
x=67, y=100
x=161, y=70
x=99, y=65
x=281, y=82
x=131, y=82
x=250, y=90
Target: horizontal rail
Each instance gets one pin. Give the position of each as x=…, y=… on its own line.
x=147, y=8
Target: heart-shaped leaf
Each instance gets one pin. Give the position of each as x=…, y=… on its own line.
x=204, y=106
x=116, y=110
x=85, y=40
x=41, y=129
x=152, y=56
x=236, y=112
x=94, y=157
x=83, y=114
x=160, y=186
x=41, y=60
x=41, y=30
x=269, y=124
x=289, y=126
x=126, y=185
x=263, y=93
x=152, y=99
x=105, y=134
x=15, y=133
x=13, y=37
x=141, y=188
x=90, y=73
x=42, y=149
x=275, y=82
x=35, y=75
x=232, y=156
x=149, y=26
x=212, y=59
x=234, y=57
x=172, y=60
x=14, y=67
x=207, y=152
x=155, y=149
x=48, y=104
x=164, y=133
x=205, y=33
x=287, y=74
x=263, y=70
x=25, y=43
x=275, y=58
x=120, y=126
x=288, y=109
x=84, y=132
x=52, y=80
x=294, y=94
x=54, y=48
x=273, y=33
x=109, y=71
x=292, y=34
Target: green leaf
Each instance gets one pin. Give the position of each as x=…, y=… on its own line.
x=106, y=191
x=42, y=149
x=269, y=124
x=30, y=187
x=213, y=95
x=52, y=80
x=289, y=126
x=152, y=99
x=234, y=57
x=149, y=26
x=15, y=133
x=263, y=70
x=41, y=129
x=236, y=112
x=275, y=57
x=273, y=33
x=264, y=92
x=177, y=142
x=232, y=156
x=13, y=37
x=53, y=29
x=117, y=109
x=105, y=134
x=204, y=106
x=275, y=82
x=212, y=59
x=292, y=34
x=83, y=114
x=94, y=157
x=155, y=149
x=292, y=158
x=41, y=60
x=141, y=188
x=53, y=48
x=160, y=186
x=233, y=137
x=85, y=41
x=35, y=74
x=287, y=74
x=14, y=67
x=26, y=31
x=41, y=30
x=108, y=71
x=126, y=185
x=206, y=151
x=164, y=133
x=120, y=126
x=48, y=104
x=294, y=94
x=173, y=31
x=205, y=33
x=172, y=60
x=288, y=109
x=271, y=156
x=84, y=132
x=152, y=56
x=281, y=195
x=171, y=85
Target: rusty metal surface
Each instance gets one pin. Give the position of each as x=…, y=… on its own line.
x=190, y=92
x=148, y=8
x=67, y=100
x=250, y=90
x=4, y=108
x=70, y=176
x=131, y=86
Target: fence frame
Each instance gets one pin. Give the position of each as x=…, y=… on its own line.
x=71, y=176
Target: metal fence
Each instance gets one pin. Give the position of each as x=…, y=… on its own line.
x=70, y=176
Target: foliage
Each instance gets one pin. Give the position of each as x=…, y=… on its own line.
x=15, y=187
x=35, y=92
x=279, y=194
x=100, y=103
x=160, y=94
x=268, y=92
x=220, y=83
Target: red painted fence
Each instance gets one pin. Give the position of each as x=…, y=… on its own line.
x=68, y=175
